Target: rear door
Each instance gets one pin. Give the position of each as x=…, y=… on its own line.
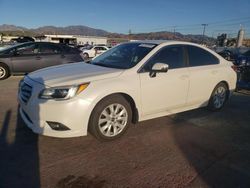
x=71, y=55
x=49, y=54
x=24, y=58
x=204, y=72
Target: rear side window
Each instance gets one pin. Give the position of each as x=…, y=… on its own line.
x=171, y=55
x=70, y=50
x=199, y=57
x=49, y=48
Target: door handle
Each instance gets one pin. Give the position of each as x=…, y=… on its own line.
x=38, y=57
x=63, y=56
x=183, y=77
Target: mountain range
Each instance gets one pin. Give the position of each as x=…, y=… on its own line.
x=69, y=30
x=88, y=31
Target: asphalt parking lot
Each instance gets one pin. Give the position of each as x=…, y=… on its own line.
x=192, y=149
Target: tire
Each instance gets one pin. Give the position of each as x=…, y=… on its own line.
x=4, y=71
x=219, y=97
x=85, y=56
x=106, y=125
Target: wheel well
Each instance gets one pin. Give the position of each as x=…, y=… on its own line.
x=225, y=82
x=135, y=114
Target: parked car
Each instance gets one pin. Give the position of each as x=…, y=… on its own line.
x=131, y=82
x=31, y=56
x=84, y=47
x=243, y=59
x=243, y=81
x=94, y=51
x=22, y=39
x=228, y=55
x=243, y=69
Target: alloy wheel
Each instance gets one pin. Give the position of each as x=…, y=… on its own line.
x=219, y=97
x=113, y=120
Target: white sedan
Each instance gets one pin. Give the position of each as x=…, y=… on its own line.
x=94, y=51
x=132, y=82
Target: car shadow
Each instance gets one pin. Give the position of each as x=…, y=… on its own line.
x=19, y=158
x=216, y=144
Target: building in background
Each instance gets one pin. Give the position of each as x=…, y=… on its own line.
x=92, y=40
x=7, y=38
x=76, y=39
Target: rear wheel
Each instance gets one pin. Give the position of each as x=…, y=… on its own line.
x=4, y=71
x=218, y=97
x=85, y=56
x=110, y=118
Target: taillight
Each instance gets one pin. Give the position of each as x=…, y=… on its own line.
x=235, y=68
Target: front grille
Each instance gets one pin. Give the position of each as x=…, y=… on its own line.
x=25, y=92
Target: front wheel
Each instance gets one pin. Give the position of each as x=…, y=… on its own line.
x=110, y=118
x=218, y=97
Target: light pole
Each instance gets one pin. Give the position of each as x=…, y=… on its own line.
x=174, y=31
x=204, y=29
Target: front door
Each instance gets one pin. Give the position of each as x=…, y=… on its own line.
x=166, y=91
x=24, y=58
x=50, y=55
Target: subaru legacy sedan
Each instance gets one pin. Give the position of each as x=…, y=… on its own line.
x=30, y=56
x=131, y=82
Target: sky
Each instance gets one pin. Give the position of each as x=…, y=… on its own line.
x=185, y=16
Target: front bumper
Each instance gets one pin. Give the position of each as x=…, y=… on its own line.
x=42, y=127
x=73, y=113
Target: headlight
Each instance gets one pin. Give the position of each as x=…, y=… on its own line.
x=62, y=93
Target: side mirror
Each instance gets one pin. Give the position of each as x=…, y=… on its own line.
x=158, y=67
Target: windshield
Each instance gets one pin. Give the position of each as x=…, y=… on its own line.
x=124, y=56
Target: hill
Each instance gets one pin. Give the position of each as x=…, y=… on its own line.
x=88, y=31
x=69, y=30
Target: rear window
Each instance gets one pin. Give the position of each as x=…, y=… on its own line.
x=200, y=57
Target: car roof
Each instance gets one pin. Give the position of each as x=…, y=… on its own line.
x=152, y=41
x=158, y=42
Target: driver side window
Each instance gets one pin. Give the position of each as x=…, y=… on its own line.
x=171, y=55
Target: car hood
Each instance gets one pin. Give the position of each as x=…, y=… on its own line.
x=72, y=74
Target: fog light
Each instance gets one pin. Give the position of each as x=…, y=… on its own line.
x=57, y=126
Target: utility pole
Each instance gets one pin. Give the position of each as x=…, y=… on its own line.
x=129, y=34
x=204, y=30
x=174, y=31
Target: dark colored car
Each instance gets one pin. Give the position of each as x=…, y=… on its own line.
x=228, y=55
x=23, y=39
x=31, y=56
x=243, y=59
